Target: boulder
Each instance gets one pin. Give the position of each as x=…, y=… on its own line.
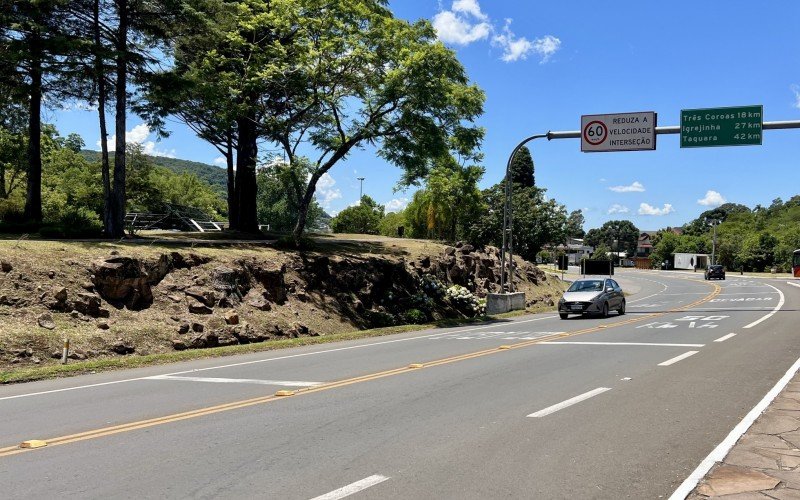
x=125, y=281
x=259, y=302
x=271, y=276
x=45, y=320
x=248, y=335
x=179, y=345
x=232, y=318
x=184, y=328
x=197, y=327
x=103, y=325
x=59, y=293
x=122, y=347
x=197, y=307
x=88, y=304
x=6, y=266
x=207, y=297
x=232, y=283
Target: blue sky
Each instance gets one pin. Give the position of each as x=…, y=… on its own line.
x=544, y=64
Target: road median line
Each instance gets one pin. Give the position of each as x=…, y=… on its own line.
x=131, y=426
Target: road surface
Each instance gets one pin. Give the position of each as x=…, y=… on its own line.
x=532, y=407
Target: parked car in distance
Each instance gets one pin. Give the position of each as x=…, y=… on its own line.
x=715, y=272
x=592, y=296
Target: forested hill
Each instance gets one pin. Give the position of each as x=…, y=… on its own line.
x=215, y=176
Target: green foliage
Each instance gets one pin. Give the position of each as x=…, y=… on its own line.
x=575, y=223
x=209, y=174
x=74, y=223
x=280, y=188
x=363, y=218
x=414, y=317
x=449, y=202
x=601, y=252
x=619, y=234
x=537, y=221
x=522, y=170
x=390, y=223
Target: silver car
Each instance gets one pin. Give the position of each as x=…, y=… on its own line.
x=592, y=296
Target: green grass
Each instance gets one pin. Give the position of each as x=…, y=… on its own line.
x=30, y=374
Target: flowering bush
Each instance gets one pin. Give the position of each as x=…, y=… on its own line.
x=431, y=285
x=463, y=299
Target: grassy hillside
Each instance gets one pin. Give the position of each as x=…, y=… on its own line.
x=215, y=176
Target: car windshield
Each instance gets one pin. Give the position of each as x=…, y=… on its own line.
x=586, y=286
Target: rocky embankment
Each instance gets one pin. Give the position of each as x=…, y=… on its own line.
x=121, y=304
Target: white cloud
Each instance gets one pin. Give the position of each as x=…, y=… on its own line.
x=463, y=24
x=618, y=209
x=470, y=7
x=397, y=205
x=546, y=47
x=514, y=48
x=326, y=192
x=796, y=90
x=712, y=199
x=139, y=135
x=636, y=187
x=221, y=161
x=647, y=209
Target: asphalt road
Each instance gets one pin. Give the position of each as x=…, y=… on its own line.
x=623, y=407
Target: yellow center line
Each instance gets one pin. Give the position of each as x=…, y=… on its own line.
x=201, y=412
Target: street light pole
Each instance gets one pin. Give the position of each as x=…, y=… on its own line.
x=714, y=244
x=360, y=189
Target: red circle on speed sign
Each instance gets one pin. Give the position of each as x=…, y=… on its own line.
x=595, y=133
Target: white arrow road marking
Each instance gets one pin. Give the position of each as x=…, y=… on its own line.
x=569, y=402
x=284, y=383
x=346, y=491
x=678, y=358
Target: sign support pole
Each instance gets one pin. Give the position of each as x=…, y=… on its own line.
x=507, y=252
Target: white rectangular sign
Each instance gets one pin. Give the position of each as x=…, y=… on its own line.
x=618, y=132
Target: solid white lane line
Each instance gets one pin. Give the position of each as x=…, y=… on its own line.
x=362, y=346
x=726, y=337
x=777, y=308
x=793, y=284
x=678, y=358
x=286, y=383
x=346, y=491
x=648, y=344
x=747, y=293
x=569, y=402
x=722, y=449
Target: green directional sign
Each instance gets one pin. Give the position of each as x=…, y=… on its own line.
x=737, y=126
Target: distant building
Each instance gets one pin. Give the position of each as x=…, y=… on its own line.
x=575, y=250
x=644, y=246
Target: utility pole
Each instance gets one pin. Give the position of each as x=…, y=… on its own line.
x=361, y=189
x=714, y=243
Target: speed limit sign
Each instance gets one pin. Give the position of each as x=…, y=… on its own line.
x=618, y=132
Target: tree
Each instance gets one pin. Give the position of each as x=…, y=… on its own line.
x=390, y=224
x=575, y=223
x=279, y=190
x=537, y=221
x=522, y=170
x=619, y=234
x=34, y=45
x=363, y=218
x=449, y=203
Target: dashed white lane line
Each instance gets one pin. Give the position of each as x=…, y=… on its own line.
x=569, y=402
x=346, y=491
x=214, y=380
x=777, y=308
x=725, y=337
x=678, y=358
x=647, y=344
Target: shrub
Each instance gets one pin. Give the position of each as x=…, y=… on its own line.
x=414, y=317
x=74, y=223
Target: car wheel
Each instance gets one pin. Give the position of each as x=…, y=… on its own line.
x=563, y=315
x=605, y=309
x=621, y=309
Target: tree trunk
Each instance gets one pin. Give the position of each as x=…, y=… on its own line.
x=3, y=192
x=305, y=204
x=246, y=190
x=101, y=111
x=233, y=210
x=33, y=199
x=117, y=229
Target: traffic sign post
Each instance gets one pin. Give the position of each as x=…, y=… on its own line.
x=618, y=132
x=736, y=126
